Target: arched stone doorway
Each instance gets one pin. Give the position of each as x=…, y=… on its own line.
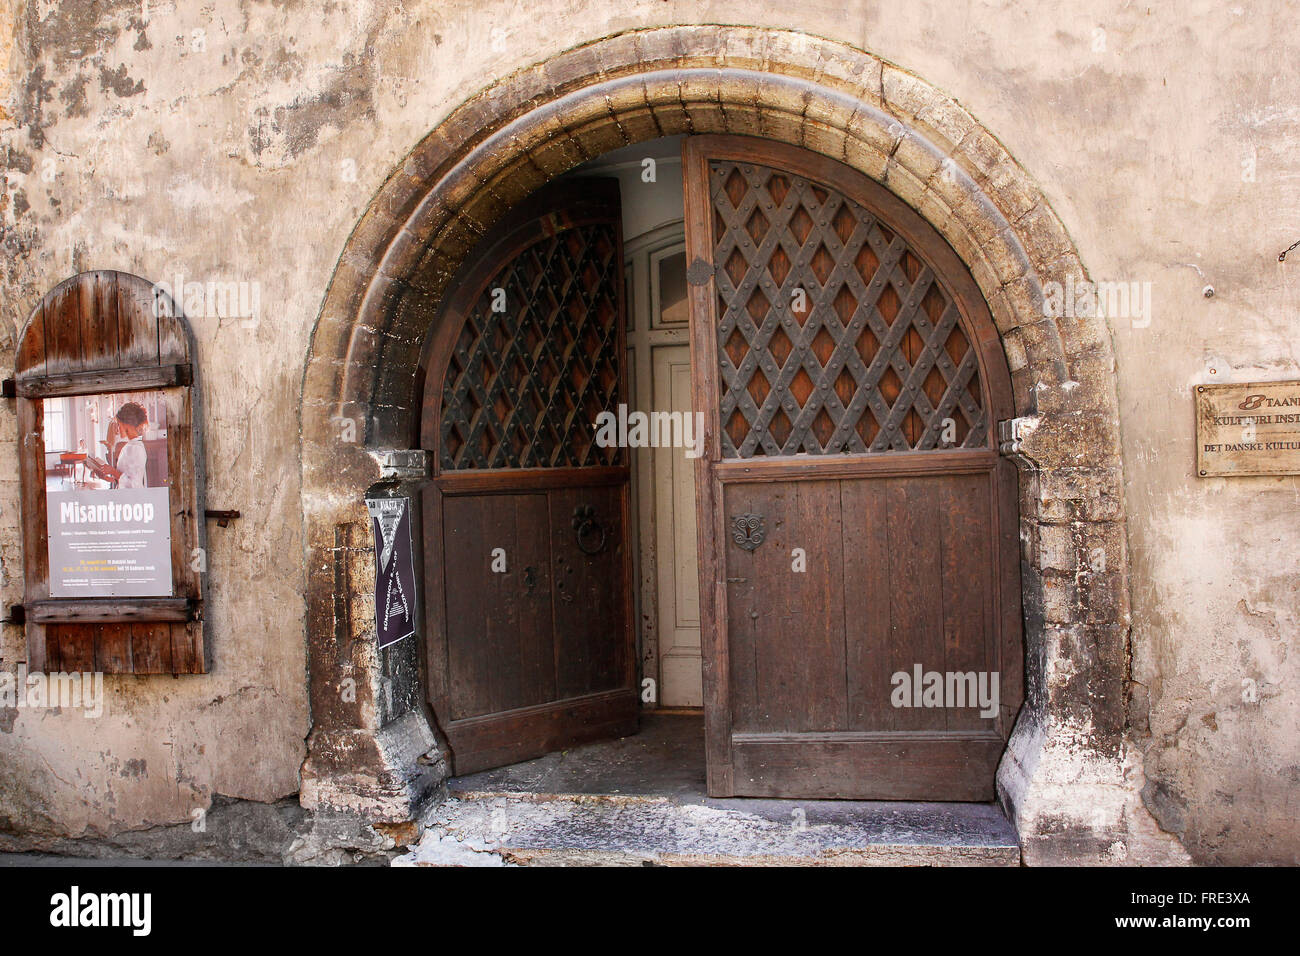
x=372, y=748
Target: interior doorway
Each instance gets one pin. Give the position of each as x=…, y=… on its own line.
x=659, y=381
x=846, y=378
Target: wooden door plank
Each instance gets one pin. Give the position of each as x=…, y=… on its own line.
x=751, y=608
x=481, y=605
x=99, y=335
x=535, y=679
x=590, y=598
x=151, y=648
x=173, y=340
x=715, y=648
x=181, y=492
x=500, y=643
x=968, y=588
x=137, y=325
x=895, y=767
x=435, y=604
x=187, y=653
x=44, y=652
x=63, y=315
x=30, y=359
x=916, y=614
x=112, y=648
x=42, y=641
x=787, y=626
x=814, y=625
x=866, y=604
x=492, y=740
x=76, y=647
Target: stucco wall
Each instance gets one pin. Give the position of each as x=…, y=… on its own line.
x=247, y=151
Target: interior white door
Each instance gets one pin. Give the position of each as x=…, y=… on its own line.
x=678, y=581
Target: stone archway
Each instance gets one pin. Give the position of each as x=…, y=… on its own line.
x=1063, y=779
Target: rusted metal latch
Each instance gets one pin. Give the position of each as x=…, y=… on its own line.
x=222, y=518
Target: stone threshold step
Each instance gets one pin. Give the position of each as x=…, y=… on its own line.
x=476, y=828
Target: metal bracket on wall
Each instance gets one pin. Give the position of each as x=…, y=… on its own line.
x=1012, y=433
x=401, y=464
x=222, y=518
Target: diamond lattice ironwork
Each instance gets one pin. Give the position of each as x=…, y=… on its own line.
x=537, y=359
x=834, y=336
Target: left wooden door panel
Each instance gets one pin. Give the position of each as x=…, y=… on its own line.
x=500, y=652
x=528, y=571
x=588, y=540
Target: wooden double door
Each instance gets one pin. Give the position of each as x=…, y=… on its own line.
x=857, y=531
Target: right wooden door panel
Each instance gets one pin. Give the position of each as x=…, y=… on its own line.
x=857, y=583
x=859, y=535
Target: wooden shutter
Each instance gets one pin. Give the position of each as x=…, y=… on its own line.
x=107, y=332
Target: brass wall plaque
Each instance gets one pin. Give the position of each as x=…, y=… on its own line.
x=1251, y=429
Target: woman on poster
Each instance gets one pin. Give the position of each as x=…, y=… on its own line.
x=132, y=457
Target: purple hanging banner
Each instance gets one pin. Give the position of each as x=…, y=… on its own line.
x=394, y=569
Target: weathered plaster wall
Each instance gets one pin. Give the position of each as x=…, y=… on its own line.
x=241, y=141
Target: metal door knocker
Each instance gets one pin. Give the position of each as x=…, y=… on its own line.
x=588, y=530
x=748, y=530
